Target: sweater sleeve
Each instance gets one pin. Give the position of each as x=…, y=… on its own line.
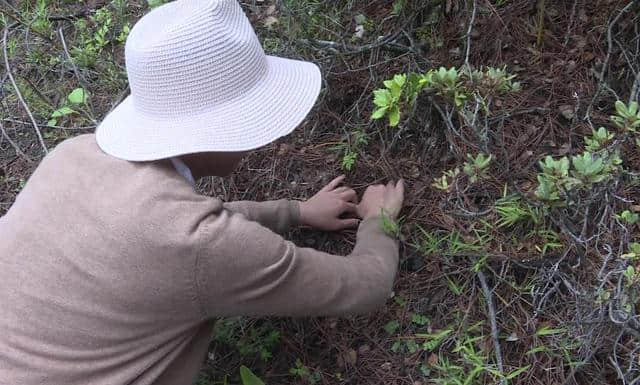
x=278, y=216
x=245, y=269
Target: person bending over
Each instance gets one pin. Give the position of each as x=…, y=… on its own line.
x=113, y=268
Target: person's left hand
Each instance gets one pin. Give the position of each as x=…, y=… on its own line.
x=324, y=209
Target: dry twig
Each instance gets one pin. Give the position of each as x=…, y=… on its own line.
x=473, y=18
x=76, y=72
x=15, y=86
x=605, y=65
x=494, y=325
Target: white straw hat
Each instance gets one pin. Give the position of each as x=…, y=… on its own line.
x=201, y=82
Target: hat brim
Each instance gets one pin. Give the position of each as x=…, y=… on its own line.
x=273, y=108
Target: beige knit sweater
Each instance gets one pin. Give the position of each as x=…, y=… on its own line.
x=111, y=272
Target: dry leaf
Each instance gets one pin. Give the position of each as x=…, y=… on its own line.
x=270, y=10
x=567, y=111
x=351, y=357
x=432, y=360
x=270, y=21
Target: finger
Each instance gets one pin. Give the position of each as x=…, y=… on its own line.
x=348, y=223
x=400, y=187
x=334, y=183
x=348, y=207
x=341, y=189
x=349, y=195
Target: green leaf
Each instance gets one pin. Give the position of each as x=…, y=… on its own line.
x=78, y=96
x=621, y=109
x=547, y=331
x=379, y=113
x=62, y=112
x=630, y=273
x=248, y=378
x=633, y=108
x=412, y=346
x=394, y=116
x=391, y=327
x=400, y=79
x=538, y=349
x=419, y=319
x=52, y=122
x=517, y=372
x=382, y=97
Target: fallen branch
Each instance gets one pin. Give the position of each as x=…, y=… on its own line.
x=607, y=59
x=494, y=325
x=77, y=73
x=473, y=18
x=15, y=86
x=635, y=89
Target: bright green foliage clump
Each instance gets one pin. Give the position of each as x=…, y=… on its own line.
x=454, y=86
x=388, y=99
x=94, y=41
x=475, y=168
x=634, y=252
x=350, y=148
x=513, y=211
x=600, y=139
x=627, y=117
x=447, y=83
x=558, y=177
x=77, y=97
x=445, y=181
x=599, y=163
x=41, y=22
x=628, y=217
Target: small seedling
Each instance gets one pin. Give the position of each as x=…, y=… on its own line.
x=388, y=100
x=299, y=370
x=419, y=319
x=433, y=340
x=445, y=182
x=391, y=327
x=589, y=168
x=628, y=217
x=627, y=117
x=476, y=167
x=77, y=97
x=513, y=211
x=631, y=275
x=634, y=252
x=599, y=140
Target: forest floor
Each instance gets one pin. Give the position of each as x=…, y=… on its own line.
x=505, y=277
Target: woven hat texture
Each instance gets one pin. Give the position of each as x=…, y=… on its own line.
x=200, y=81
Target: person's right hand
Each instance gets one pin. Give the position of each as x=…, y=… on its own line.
x=379, y=198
